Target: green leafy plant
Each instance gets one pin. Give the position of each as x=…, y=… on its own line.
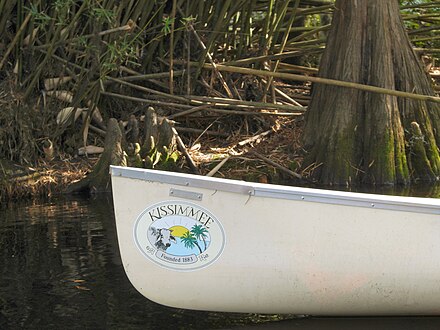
x=164, y=159
x=41, y=18
x=103, y=15
x=167, y=22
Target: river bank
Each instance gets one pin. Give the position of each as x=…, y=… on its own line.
x=271, y=156
x=42, y=180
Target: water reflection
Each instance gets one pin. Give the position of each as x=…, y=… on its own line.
x=60, y=268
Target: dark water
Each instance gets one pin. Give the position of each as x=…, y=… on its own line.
x=60, y=269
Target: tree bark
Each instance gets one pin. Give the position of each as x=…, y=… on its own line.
x=151, y=132
x=99, y=179
x=353, y=136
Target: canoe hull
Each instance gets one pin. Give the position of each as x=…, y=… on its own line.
x=273, y=249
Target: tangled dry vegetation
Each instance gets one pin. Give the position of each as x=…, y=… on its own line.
x=67, y=67
x=254, y=145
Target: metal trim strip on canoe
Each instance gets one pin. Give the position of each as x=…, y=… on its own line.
x=395, y=203
x=408, y=204
x=182, y=179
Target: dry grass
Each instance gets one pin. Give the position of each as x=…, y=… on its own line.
x=281, y=143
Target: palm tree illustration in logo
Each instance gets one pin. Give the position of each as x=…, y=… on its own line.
x=200, y=233
x=190, y=238
x=190, y=241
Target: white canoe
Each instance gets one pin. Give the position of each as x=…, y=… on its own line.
x=204, y=243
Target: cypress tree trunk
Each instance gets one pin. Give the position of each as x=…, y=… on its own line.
x=357, y=136
x=99, y=179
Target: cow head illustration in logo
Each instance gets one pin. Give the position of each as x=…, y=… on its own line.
x=163, y=238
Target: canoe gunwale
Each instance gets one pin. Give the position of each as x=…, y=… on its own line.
x=396, y=203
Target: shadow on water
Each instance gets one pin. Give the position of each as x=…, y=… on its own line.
x=60, y=269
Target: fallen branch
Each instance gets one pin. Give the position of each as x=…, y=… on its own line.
x=190, y=111
x=340, y=83
x=148, y=101
x=148, y=90
x=218, y=166
x=278, y=166
x=97, y=130
x=254, y=105
x=255, y=138
x=285, y=96
x=297, y=68
x=253, y=113
x=185, y=152
x=137, y=77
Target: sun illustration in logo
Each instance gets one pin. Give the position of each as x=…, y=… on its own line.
x=178, y=231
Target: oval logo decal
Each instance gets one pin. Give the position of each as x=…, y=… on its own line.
x=179, y=235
